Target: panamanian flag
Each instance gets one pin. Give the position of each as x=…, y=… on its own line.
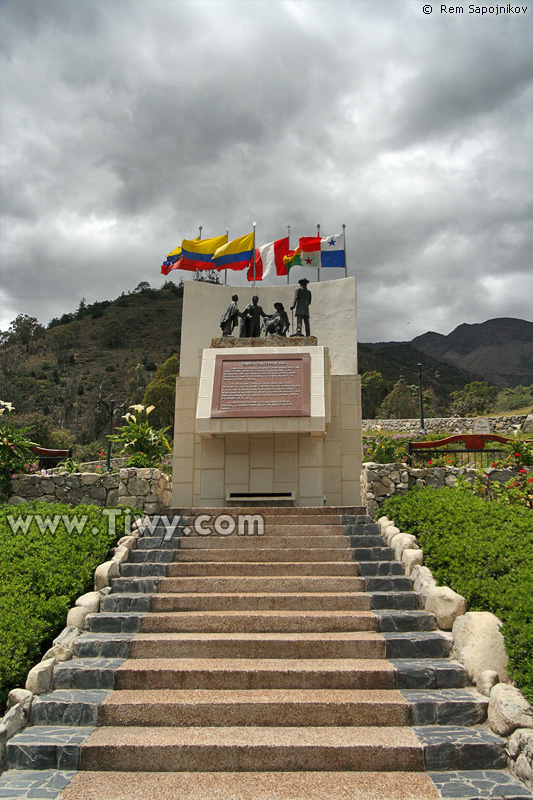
x=323, y=252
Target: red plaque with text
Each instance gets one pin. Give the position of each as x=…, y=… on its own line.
x=262, y=386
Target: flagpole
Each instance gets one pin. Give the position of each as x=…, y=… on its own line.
x=253, y=249
x=199, y=236
x=226, y=270
x=289, y=238
x=319, y=250
x=345, y=262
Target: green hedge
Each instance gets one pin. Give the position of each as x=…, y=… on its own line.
x=484, y=551
x=41, y=574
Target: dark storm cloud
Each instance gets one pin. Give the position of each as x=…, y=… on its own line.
x=126, y=124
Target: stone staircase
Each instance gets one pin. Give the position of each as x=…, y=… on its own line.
x=293, y=665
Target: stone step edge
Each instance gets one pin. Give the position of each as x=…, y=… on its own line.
x=59, y=747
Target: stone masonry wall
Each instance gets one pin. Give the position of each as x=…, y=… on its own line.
x=147, y=489
x=451, y=425
x=381, y=481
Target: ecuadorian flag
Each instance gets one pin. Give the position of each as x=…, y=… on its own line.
x=237, y=254
x=198, y=253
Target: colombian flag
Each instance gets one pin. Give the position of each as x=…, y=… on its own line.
x=199, y=253
x=237, y=254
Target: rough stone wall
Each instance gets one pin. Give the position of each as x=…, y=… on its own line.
x=381, y=481
x=452, y=425
x=148, y=489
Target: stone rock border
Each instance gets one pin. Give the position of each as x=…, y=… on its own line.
x=39, y=678
x=450, y=425
x=381, y=481
x=479, y=645
x=147, y=489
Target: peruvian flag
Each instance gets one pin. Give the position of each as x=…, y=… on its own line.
x=269, y=260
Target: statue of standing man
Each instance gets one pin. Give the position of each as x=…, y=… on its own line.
x=230, y=317
x=301, y=303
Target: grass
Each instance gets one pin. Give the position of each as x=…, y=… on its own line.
x=43, y=572
x=484, y=551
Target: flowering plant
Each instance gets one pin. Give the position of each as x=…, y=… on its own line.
x=138, y=436
x=15, y=448
x=384, y=449
x=518, y=454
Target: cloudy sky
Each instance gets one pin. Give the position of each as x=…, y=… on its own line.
x=126, y=124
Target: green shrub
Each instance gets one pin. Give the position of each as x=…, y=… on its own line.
x=484, y=551
x=43, y=572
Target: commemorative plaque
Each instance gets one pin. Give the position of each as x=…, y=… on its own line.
x=262, y=385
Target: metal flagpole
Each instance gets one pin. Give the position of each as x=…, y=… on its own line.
x=289, y=237
x=226, y=270
x=345, y=262
x=253, y=248
x=199, y=236
x=318, y=234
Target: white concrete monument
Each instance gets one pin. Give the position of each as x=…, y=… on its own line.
x=262, y=422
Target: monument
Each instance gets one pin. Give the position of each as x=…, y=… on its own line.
x=266, y=417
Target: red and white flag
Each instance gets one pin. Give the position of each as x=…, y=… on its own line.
x=269, y=260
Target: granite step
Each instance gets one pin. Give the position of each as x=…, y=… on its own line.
x=261, y=542
x=236, y=748
x=282, y=601
x=284, y=646
x=148, y=569
x=313, y=785
x=286, y=671
x=264, y=568
x=252, y=748
x=255, y=673
x=276, y=512
x=405, y=601
x=252, y=583
x=255, y=707
x=247, y=621
x=265, y=553
x=249, y=528
x=134, y=585
x=87, y=785
x=155, y=555
x=283, y=707
x=66, y=707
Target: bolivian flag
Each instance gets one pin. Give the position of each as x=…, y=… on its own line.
x=199, y=253
x=294, y=259
x=237, y=254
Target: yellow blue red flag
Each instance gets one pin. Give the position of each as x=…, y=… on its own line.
x=198, y=253
x=237, y=254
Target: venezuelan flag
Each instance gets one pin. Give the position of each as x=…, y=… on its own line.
x=237, y=254
x=172, y=261
x=198, y=253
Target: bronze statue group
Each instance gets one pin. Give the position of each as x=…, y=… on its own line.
x=253, y=318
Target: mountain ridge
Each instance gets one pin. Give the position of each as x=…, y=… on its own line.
x=498, y=351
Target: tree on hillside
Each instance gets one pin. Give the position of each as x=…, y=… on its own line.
x=161, y=393
x=26, y=330
x=476, y=398
x=515, y=398
x=401, y=403
x=373, y=392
